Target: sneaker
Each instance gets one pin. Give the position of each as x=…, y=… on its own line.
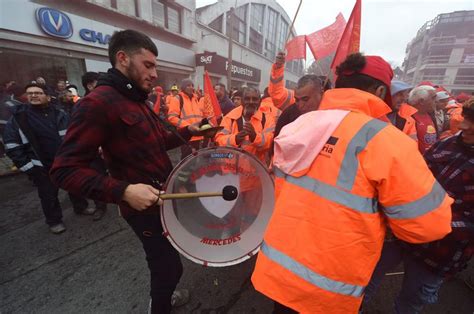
x=88, y=211
x=179, y=297
x=98, y=214
x=57, y=229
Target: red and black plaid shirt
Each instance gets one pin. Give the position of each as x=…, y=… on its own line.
x=133, y=142
x=452, y=163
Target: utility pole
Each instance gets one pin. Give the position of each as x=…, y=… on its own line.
x=229, y=55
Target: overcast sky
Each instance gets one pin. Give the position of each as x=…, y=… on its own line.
x=387, y=25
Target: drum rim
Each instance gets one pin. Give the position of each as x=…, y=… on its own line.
x=197, y=260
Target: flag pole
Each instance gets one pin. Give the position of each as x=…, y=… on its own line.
x=293, y=22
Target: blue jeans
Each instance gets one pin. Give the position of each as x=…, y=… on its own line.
x=420, y=286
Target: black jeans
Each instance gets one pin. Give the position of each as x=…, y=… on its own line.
x=79, y=203
x=163, y=260
x=48, y=194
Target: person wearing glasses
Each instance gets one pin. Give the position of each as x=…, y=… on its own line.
x=32, y=137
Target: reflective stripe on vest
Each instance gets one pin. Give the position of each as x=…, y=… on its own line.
x=11, y=145
x=332, y=193
x=262, y=143
x=27, y=167
x=417, y=208
x=309, y=275
x=24, y=140
x=276, y=80
x=192, y=116
x=287, y=101
x=349, y=165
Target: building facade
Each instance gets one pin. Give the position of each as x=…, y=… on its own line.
x=259, y=32
x=64, y=39
x=443, y=52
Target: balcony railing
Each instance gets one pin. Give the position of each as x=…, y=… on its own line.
x=436, y=59
x=464, y=80
x=436, y=79
x=443, y=40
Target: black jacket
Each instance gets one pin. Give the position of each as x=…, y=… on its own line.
x=21, y=141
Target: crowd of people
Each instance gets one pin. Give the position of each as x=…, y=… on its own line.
x=368, y=174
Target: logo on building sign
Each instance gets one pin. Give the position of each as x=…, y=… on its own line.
x=54, y=23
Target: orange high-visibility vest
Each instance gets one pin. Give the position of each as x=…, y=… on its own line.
x=328, y=226
x=267, y=106
x=406, y=111
x=455, y=119
x=184, y=111
x=281, y=96
x=262, y=143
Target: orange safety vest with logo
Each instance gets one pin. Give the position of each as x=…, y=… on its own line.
x=263, y=124
x=455, y=118
x=267, y=106
x=406, y=112
x=281, y=96
x=184, y=111
x=329, y=222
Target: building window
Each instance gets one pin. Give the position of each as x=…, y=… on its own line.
x=217, y=24
x=166, y=15
x=256, y=27
x=239, y=29
x=270, y=42
x=282, y=35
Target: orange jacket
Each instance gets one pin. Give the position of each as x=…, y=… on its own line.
x=455, y=119
x=267, y=106
x=329, y=221
x=281, y=96
x=406, y=112
x=262, y=143
x=190, y=112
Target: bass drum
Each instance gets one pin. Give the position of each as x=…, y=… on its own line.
x=210, y=230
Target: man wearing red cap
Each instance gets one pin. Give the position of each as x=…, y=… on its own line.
x=342, y=174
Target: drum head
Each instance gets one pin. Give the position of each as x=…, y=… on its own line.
x=212, y=231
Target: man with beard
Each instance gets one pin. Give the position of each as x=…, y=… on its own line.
x=247, y=127
x=307, y=98
x=115, y=116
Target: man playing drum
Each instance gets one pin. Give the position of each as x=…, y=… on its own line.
x=114, y=116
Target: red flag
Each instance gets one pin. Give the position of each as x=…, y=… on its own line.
x=324, y=42
x=296, y=48
x=350, y=40
x=211, y=98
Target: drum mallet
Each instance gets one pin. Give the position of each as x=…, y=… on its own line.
x=228, y=193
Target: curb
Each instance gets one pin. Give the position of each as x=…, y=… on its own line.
x=9, y=174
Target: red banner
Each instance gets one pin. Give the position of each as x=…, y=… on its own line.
x=296, y=48
x=324, y=42
x=350, y=40
x=210, y=99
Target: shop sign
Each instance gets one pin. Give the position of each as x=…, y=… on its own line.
x=54, y=23
x=214, y=63
x=57, y=24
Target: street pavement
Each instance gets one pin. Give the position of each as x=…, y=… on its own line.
x=99, y=267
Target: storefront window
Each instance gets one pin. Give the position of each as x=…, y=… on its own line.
x=24, y=67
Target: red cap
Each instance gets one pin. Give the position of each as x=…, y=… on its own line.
x=159, y=89
x=379, y=69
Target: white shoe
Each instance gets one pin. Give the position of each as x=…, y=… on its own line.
x=180, y=297
x=57, y=229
